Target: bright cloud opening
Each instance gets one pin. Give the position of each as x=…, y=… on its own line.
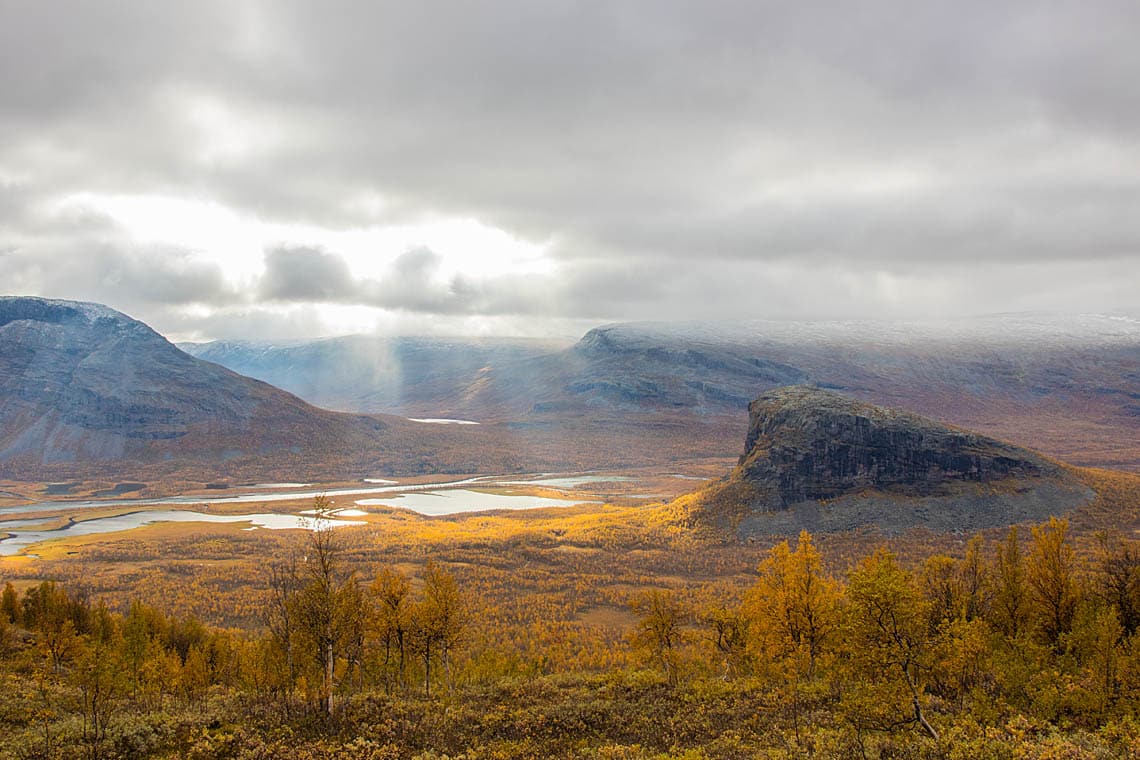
x=237, y=242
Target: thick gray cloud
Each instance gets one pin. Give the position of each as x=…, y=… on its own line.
x=680, y=158
x=137, y=280
x=417, y=283
x=305, y=274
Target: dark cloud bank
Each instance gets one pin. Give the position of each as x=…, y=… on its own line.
x=679, y=159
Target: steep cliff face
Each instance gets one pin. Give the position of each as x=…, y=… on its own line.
x=806, y=443
x=817, y=460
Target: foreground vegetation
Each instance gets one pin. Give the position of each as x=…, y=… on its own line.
x=1018, y=645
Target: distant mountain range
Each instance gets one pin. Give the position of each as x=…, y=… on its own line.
x=87, y=392
x=1068, y=385
x=358, y=373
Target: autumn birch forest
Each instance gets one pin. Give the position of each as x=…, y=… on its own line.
x=1016, y=644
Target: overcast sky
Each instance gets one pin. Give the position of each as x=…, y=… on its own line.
x=291, y=169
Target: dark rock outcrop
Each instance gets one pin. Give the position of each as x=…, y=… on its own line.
x=814, y=459
x=806, y=443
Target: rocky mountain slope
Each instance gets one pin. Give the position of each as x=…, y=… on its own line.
x=82, y=382
x=814, y=459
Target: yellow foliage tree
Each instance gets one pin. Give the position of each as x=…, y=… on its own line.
x=793, y=606
x=888, y=634
x=1051, y=578
x=1010, y=602
x=390, y=591
x=658, y=631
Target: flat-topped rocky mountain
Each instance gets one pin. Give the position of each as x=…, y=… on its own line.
x=815, y=459
x=806, y=443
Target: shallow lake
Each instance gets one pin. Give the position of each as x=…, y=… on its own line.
x=458, y=500
x=241, y=498
x=22, y=538
x=433, y=499
x=441, y=421
x=23, y=532
x=572, y=481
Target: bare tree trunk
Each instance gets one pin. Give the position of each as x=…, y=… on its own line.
x=329, y=664
x=447, y=671
x=402, y=678
x=918, y=706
